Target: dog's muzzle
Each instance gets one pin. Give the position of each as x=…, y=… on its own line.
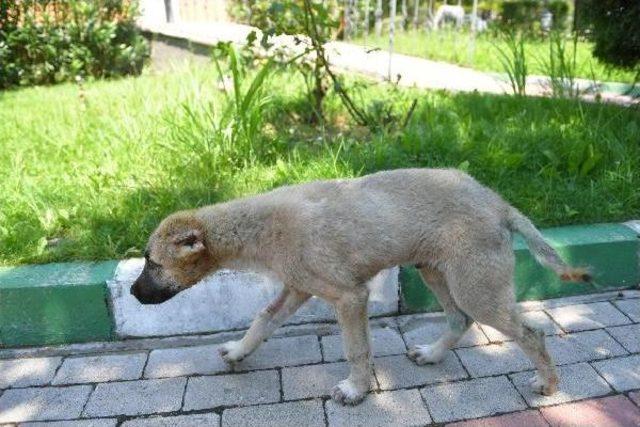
x=147, y=293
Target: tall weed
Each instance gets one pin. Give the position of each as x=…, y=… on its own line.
x=561, y=65
x=514, y=60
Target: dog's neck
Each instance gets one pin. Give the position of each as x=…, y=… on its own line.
x=235, y=231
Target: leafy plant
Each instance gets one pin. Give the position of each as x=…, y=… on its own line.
x=561, y=65
x=514, y=60
x=45, y=42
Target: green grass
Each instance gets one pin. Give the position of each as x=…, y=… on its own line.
x=458, y=48
x=96, y=169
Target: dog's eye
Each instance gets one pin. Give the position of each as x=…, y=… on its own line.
x=153, y=264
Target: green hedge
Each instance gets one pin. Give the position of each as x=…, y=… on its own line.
x=46, y=42
x=525, y=14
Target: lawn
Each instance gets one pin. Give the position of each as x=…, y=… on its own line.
x=459, y=48
x=86, y=172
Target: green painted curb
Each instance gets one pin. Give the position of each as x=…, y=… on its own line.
x=55, y=303
x=611, y=250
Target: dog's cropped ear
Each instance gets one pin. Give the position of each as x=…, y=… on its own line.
x=189, y=242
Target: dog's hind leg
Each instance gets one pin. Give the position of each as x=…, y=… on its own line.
x=351, y=310
x=458, y=322
x=267, y=321
x=487, y=295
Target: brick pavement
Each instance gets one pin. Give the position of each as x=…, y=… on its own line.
x=181, y=381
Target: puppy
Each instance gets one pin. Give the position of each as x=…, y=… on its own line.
x=328, y=238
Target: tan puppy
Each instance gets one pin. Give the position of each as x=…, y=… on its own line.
x=328, y=238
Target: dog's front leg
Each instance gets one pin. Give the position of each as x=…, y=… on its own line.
x=352, y=316
x=267, y=321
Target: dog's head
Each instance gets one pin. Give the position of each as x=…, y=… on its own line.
x=176, y=258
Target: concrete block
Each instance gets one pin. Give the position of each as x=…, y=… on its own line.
x=472, y=399
x=623, y=373
x=96, y=422
x=231, y=390
x=136, y=397
x=225, y=300
x=384, y=342
x=538, y=319
x=193, y=420
x=93, y=369
x=280, y=352
x=55, y=303
x=182, y=361
x=43, y=403
x=313, y=381
x=395, y=372
x=630, y=307
x=390, y=408
x=494, y=359
x=306, y=413
x=582, y=347
x=578, y=381
x=28, y=372
x=425, y=329
x=628, y=336
x=607, y=411
x=582, y=317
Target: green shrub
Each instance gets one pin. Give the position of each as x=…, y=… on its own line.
x=560, y=11
x=45, y=42
x=521, y=14
x=615, y=28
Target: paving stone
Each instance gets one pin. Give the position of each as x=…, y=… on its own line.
x=623, y=373
x=97, y=422
x=582, y=347
x=524, y=418
x=608, y=411
x=195, y=420
x=628, y=336
x=472, y=399
x=101, y=368
x=240, y=389
x=579, y=299
x=282, y=352
x=494, y=359
x=539, y=319
x=582, y=317
x=28, y=372
x=384, y=342
x=306, y=413
x=635, y=396
x=136, y=397
x=312, y=381
x=578, y=381
x=43, y=403
x=427, y=329
x=390, y=408
x=630, y=307
x=395, y=372
x=176, y=362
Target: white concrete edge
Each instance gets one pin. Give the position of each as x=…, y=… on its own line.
x=634, y=225
x=224, y=301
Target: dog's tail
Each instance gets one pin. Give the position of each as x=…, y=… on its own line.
x=541, y=250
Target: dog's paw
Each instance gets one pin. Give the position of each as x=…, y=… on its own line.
x=540, y=386
x=424, y=354
x=346, y=393
x=232, y=352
